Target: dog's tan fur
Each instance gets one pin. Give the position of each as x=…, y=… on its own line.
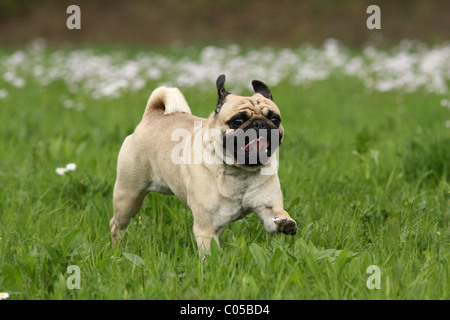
x=216, y=193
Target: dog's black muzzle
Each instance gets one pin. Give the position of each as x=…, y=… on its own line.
x=254, y=144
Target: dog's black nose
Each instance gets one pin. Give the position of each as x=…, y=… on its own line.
x=259, y=124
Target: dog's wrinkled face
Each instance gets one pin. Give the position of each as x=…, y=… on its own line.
x=250, y=126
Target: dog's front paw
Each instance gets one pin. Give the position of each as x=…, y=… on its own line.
x=287, y=226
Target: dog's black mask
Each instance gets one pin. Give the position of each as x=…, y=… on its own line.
x=253, y=144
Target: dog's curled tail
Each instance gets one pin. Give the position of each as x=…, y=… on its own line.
x=170, y=100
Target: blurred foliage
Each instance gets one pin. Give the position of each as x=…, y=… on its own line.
x=13, y=8
x=247, y=22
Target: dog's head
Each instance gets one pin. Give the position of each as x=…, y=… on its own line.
x=250, y=126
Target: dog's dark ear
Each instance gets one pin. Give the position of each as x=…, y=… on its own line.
x=220, y=83
x=262, y=88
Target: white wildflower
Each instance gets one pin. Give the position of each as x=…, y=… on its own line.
x=4, y=295
x=3, y=93
x=409, y=67
x=68, y=104
x=18, y=82
x=61, y=171
x=71, y=167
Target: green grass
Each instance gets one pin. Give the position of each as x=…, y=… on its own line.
x=364, y=174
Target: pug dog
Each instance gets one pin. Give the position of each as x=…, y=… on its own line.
x=241, y=135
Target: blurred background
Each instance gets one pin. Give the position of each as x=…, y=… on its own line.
x=246, y=22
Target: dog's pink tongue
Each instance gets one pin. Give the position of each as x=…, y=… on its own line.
x=260, y=144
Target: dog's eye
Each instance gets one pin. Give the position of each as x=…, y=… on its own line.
x=238, y=121
x=276, y=120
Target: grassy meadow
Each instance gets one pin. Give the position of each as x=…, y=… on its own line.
x=364, y=169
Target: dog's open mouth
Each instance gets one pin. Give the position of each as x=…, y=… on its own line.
x=256, y=150
x=256, y=145
x=252, y=147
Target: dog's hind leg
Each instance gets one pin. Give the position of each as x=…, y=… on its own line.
x=127, y=203
x=130, y=189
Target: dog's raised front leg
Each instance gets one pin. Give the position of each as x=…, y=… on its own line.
x=276, y=219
